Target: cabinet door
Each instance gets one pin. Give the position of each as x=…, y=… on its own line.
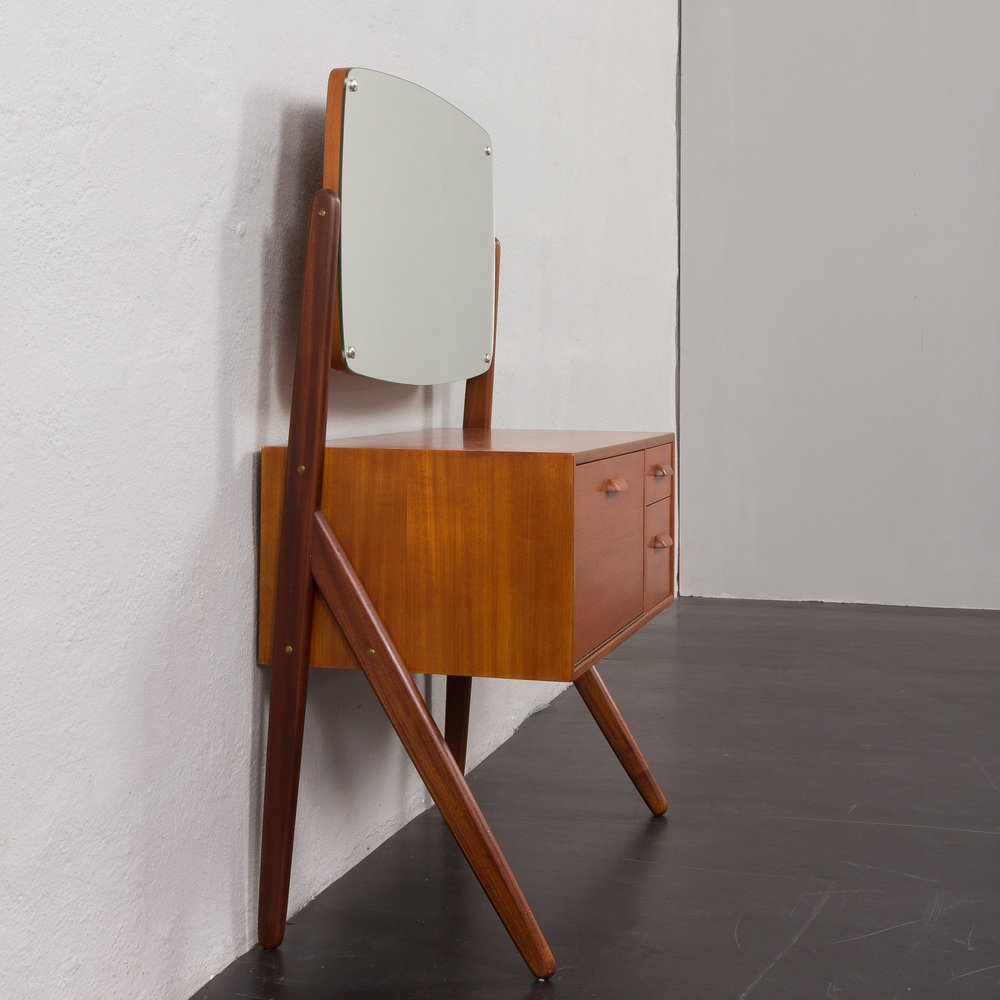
x=607, y=549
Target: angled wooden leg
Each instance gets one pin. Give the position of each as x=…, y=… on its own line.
x=295, y=590
x=394, y=688
x=605, y=712
x=456, y=717
x=286, y=717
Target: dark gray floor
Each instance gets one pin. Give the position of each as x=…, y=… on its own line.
x=834, y=830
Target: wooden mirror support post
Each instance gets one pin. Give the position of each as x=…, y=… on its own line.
x=478, y=415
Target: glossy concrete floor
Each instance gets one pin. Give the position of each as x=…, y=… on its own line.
x=834, y=830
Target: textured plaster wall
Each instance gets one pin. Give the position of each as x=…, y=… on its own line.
x=157, y=163
x=840, y=357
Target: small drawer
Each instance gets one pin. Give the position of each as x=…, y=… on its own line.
x=658, y=553
x=659, y=477
x=607, y=549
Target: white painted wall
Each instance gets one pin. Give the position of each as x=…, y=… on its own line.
x=158, y=160
x=840, y=309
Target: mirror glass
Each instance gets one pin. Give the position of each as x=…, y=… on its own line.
x=417, y=239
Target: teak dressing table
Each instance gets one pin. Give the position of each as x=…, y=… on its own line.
x=469, y=552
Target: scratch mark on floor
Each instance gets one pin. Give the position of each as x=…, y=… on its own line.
x=935, y=911
x=884, y=930
x=733, y=871
x=967, y=941
x=736, y=933
x=864, y=822
x=989, y=777
x=850, y=812
x=845, y=892
x=974, y=972
x=892, y=871
x=791, y=944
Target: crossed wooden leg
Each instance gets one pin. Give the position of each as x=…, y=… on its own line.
x=602, y=707
x=394, y=688
x=605, y=712
x=295, y=588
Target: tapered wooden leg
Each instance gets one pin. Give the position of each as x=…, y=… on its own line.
x=456, y=717
x=605, y=712
x=394, y=688
x=286, y=718
x=295, y=590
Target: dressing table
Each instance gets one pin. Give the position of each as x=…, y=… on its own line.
x=469, y=552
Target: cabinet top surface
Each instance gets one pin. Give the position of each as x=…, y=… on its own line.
x=584, y=446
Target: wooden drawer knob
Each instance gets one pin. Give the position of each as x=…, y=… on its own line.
x=615, y=486
x=662, y=542
x=662, y=471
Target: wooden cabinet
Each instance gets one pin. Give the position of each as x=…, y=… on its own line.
x=504, y=553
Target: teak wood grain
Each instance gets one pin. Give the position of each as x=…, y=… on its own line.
x=584, y=446
x=470, y=555
x=457, y=552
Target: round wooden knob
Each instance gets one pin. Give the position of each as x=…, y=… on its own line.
x=662, y=542
x=615, y=486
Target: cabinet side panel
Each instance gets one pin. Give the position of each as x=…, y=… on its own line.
x=363, y=500
x=468, y=557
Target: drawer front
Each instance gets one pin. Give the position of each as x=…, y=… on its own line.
x=607, y=559
x=658, y=549
x=659, y=476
